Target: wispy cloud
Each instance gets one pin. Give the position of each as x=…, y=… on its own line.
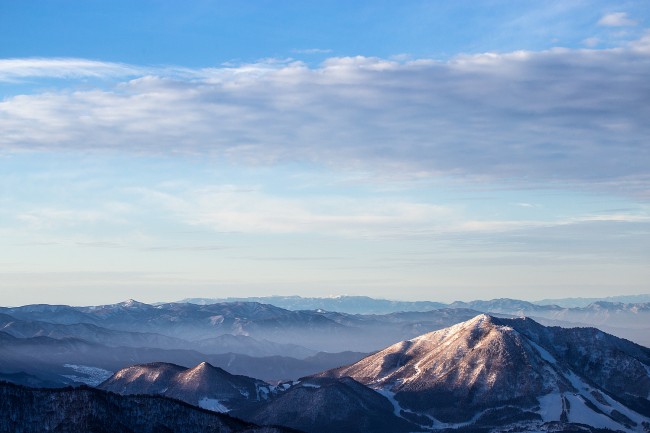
x=225, y=209
x=614, y=217
x=312, y=51
x=240, y=210
x=16, y=69
x=527, y=205
x=47, y=218
x=617, y=19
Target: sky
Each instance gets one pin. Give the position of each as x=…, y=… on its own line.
x=420, y=150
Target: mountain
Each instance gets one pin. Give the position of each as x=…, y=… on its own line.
x=44, y=361
x=22, y=378
x=601, y=313
x=226, y=343
x=316, y=405
x=26, y=410
x=497, y=373
x=316, y=330
x=205, y=386
x=190, y=321
x=25, y=328
x=583, y=302
x=505, y=306
x=67, y=345
x=326, y=405
x=341, y=304
x=253, y=328
x=196, y=322
x=245, y=345
x=631, y=321
x=67, y=361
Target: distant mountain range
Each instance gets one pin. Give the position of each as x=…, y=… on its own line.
x=631, y=321
x=260, y=329
x=46, y=345
x=583, y=302
x=486, y=374
x=624, y=316
x=222, y=343
x=341, y=304
x=368, y=305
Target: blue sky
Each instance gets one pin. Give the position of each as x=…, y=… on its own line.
x=411, y=150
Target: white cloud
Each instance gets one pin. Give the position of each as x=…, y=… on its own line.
x=312, y=51
x=617, y=19
x=16, y=69
x=527, y=205
x=559, y=116
x=617, y=217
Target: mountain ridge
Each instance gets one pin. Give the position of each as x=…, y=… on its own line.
x=203, y=385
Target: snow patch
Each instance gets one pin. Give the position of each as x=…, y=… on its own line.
x=546, y=356
x=262, y=392
x=391, y=397
x=92, y=376
x=212, y=404
x=397, y=408
x=585, y=389
x=550, y=406
x=310, y=385
x=580, y=413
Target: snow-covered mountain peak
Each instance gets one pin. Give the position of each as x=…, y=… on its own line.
x=133, y=305
x=203, y=372
x=143, y=377
x=465, y=334
x=479, y=350
x=204, y=385
x=479, y=321
x=454, y=374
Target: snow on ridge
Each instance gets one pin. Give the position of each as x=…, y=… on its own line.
x=92, y=376
x=550, y=406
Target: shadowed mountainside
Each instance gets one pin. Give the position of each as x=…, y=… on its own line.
x=26, y=410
